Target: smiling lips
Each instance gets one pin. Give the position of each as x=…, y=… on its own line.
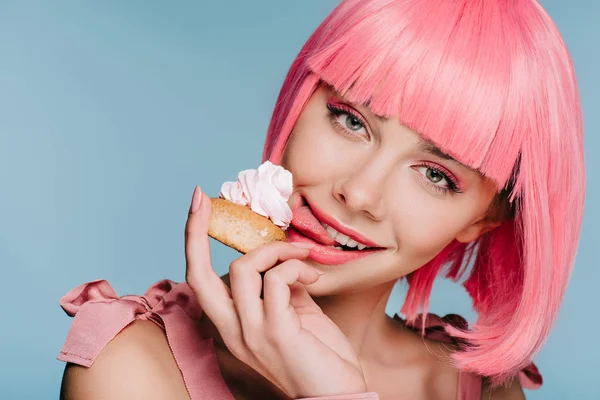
x=305, y=227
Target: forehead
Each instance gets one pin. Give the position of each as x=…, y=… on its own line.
x=424, y=144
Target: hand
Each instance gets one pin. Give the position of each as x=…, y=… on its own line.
x=284, y=336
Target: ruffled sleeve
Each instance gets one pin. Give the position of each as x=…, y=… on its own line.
x=100, y=314
x=529, y=377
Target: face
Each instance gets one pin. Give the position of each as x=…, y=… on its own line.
x=382, y=185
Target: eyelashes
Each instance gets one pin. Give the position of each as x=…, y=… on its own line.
x=353, y=124
x=353, y=127
x=433, y=172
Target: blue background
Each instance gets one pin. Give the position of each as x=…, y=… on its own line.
x=111, y=112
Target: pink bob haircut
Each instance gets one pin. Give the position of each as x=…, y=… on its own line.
x=492, y=84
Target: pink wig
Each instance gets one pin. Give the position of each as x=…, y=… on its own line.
x=492, y=84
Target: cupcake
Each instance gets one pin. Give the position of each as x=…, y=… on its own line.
x=252, y=211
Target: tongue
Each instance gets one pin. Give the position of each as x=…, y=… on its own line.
x=306, y=223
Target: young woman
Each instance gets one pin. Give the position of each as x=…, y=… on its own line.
x=444, y=135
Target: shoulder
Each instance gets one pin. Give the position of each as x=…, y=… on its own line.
x=442, y=377
x=409, y=365
x=136, y=356
x=443, y=380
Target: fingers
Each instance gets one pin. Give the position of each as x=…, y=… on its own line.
x=239, y=313
x=197, y=246
x=247, y=283
x=279, y=304
x=212, y=294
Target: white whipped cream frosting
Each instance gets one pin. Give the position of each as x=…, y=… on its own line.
x=266, y=190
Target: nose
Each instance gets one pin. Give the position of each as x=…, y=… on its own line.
x=362, y=191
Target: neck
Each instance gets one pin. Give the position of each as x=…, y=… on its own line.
x=360, y=315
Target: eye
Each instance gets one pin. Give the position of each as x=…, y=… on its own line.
x=353, y=123
x=346, y=120
x=438, y=178
x=433, y=175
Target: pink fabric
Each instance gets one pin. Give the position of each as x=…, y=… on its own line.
x=469, y=386
x=100, y=314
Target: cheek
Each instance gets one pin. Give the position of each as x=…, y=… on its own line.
x=313, y=154
x=425, y=224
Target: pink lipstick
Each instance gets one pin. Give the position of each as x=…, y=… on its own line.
x=307, y=228
x=325, y=254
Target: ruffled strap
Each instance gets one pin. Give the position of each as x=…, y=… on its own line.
x=100, y=314
x=529, y=377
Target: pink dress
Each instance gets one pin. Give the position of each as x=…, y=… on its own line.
x=100, y=314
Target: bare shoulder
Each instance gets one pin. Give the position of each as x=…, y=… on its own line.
x=444, y=379
x=137, y=363
x=413, y=367
x=436, y=373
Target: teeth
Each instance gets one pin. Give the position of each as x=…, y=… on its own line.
x=343, y=239
x=332, y=232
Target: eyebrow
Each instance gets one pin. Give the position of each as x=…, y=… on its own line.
x=424, y=145
x=428, y=146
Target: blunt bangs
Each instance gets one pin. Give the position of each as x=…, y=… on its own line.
x=439, y=71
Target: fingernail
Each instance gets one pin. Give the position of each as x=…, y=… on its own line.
x=318, y=272
x=303, y=245
x=196, y=197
